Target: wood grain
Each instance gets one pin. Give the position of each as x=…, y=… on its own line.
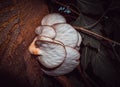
x=18, y=19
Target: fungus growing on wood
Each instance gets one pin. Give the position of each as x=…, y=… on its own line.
x=56, y=45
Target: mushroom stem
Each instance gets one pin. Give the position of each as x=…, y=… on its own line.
x=67, y=7
x=33, y=49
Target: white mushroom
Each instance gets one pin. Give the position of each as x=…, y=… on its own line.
x=71, y=61
x=57, y=44
x=45, y=31
x=66, y=34
x=51, y=19
x=52, y=53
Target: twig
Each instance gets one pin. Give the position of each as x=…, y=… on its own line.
x=100, y=37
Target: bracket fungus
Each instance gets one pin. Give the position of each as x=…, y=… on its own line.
x=56, y=45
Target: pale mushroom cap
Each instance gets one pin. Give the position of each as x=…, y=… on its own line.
x=51, y=19
x=38, y=30
x=70, y=63
x=45, y=31
x=52, y=54
x=66, y=34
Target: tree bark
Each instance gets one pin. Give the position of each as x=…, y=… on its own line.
x=18, y=20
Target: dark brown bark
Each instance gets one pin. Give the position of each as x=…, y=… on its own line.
x=18, y=19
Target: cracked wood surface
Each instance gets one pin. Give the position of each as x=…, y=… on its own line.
x=18, y=19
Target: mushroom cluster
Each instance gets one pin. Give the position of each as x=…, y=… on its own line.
x=56, y=45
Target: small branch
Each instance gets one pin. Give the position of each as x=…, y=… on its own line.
x=100, y=37
x=64, y=81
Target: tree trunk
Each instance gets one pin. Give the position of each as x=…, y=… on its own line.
x=18, y=20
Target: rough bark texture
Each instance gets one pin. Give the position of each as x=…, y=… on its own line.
x=18, y=19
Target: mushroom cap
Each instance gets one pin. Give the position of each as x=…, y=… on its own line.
x=66, y=34
x=71, y=62
x=56, y=45
x=52, y=53
x=38, y=30
x=79, y=39
x=51, y=19
x=47, y=31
